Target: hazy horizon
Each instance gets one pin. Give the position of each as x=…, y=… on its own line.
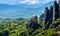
x=23, y=8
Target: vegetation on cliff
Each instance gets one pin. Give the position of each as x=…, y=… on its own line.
x=19, y=29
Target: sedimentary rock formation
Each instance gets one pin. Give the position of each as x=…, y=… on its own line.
x=55, y=10
x=46, y=15
x=33, y=23
x=50, y=15
x=59, y=7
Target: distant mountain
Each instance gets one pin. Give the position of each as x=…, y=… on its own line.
x=2, y=20
x=22, y=10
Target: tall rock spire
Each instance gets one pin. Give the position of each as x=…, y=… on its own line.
x=51, y=14
x=46, y=15
x=55, y=10
x=59, y=7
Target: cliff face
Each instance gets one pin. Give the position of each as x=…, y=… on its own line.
x=55, y=10
x=51, y=13
x=59, y=7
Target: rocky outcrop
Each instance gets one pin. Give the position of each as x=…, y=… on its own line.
x=42, y=17
x=59, y=7
x=55, y=10
x=51, y=14
x=46, y=15
x=33, y=23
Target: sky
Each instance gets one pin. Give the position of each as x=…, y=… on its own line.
x=16, y=2
x=12, y=8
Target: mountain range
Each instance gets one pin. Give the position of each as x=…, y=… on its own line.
x=22, y=10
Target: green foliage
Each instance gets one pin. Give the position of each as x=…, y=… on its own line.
x=49, y=32
x=58, y=20
x=58, y=28
x=18, y=28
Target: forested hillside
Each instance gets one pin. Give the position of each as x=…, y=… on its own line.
x=15, y=28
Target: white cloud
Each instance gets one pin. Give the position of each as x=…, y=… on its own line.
x=19, y=1
x=14, y=2
x=30, y=1
x=45, y=1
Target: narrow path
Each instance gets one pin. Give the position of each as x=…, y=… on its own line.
x=58, y=32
